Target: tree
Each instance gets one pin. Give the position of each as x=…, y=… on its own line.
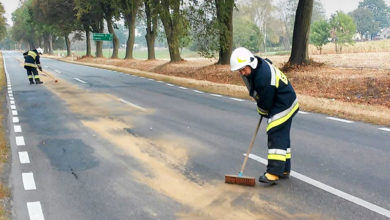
x=151, y=27
x=342, y=29
x=129, y=9
x=24, y=28
x=365, y=22
x=299, y=52
x=319, y=34
x=379, y=9
x=175, y=25
x=3, y=23
x=246, y=34
x=225, y=29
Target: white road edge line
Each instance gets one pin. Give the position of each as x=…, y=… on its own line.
x=132, y=105
x=12, y=102
x=216, y=95
x=339, y=119
x=384, y=129
x=13, y=107
x=302, y=112
x=28, y=181
x=20, y=141
x=17, y=128
x=35, y=210
x=23, y=157
x=197, y=91
x=15, y=119
x=236, y=99
x=169, y=84
x=77, y=79
x=14, y=112
x=330, y=189
x=181, y=87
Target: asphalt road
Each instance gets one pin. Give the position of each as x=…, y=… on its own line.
x=107, y=145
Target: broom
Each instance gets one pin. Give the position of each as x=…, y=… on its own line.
x=46, y=74
x=244, y=180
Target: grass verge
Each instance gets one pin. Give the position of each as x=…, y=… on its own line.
x=4, y=147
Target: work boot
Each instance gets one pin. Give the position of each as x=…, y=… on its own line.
x=269, y=178
x=38, y=82
x=31, y=82
x=285, y=175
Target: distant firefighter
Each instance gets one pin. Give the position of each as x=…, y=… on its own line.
x=31, y=62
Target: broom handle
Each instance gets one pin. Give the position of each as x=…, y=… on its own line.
x=250, y=146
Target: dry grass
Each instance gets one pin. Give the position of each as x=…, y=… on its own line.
x=4, y=193
x=358, y=47
x=354, y=86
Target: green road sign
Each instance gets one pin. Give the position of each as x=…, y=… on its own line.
x=101, y=36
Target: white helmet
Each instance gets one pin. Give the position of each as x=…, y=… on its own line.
x=242, y=57
x=39, y=50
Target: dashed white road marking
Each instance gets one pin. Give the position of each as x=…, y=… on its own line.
x=236, y=99
x=384, y=129
x=12, y=102
x=216, y=95
x=304, y=113
x=28, y=181
x=197, y=91
x=35, y=210
x=169, y=84
x=181, y=87
x=77, y=79
x=330, y=189
x=132, y=105
x=15, y=119
x=23, y=157
x=339, y=119
x=17, y=128
x=14, y=112
x=11, y=98
x=13, y=107
x=20, y=141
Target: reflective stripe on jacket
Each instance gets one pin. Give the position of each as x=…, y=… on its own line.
x=31, y=58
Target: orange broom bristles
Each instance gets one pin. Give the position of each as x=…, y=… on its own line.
x=240, y=180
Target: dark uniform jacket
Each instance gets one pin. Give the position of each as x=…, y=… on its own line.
x=275, y=97
x=31, y=58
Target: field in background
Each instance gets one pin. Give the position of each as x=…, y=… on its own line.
x=358, y=47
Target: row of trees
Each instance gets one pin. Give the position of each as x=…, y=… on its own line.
x=367, y=20
x=209, y=23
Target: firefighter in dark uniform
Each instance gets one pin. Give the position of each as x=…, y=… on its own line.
x=31, y=63
x=277, y=101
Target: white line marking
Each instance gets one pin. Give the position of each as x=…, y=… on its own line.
x=9, y=91
x=216, y=95
x=182, y=87
x=13, y=107
x=23, y=157
x=35, y=211
x=57, y=71
x=170, y=84
x=20, y=141
x=339, y=119
x=28, y=181
x=150, y=79
x=14, y=112
x=77, y=79
x=197, y=91
x=11, y=98
x=384, y=129
x=331, y=190
x=17, y=128
x=235, y=99
x=132, y=105
x=160, y=81
x=10, y=95
x=12, y=102
x=15, y=119
x=302, y=112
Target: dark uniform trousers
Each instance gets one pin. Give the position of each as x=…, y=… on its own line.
x=30, y=72
x=279, y=152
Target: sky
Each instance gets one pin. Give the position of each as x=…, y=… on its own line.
x=330, y=6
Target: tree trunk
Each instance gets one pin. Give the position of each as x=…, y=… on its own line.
x=98, y=27
x=88, y=40
x=151, y=31
x=171, y=28
x=130, y=20
x=67, y=42
x=299, y=51
x=225, y=22
x=50, y=43
x=115, y=40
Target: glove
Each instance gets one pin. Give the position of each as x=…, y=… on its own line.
x=262, y=112
x=40, y=68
